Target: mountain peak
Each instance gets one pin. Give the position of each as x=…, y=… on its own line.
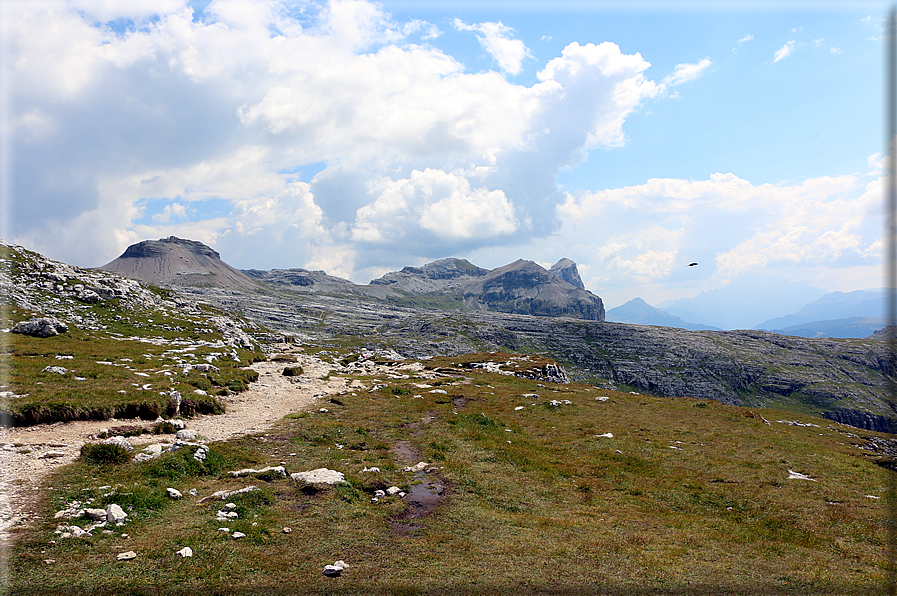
x=566, y=270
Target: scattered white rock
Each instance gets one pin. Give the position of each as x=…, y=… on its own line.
x=115, y=514
x=792, y=475
x=120, y=441
x=442, y=391
x=96, y=514
x=174, y=493
x=126, y=556
x=238, y=535
x=602, y=398
x=201, y=453
x=222, y=495
x=319, y=476
x=59, y=370
x=418, y=467
x=225, y=530
x=187, y=434
x=185, y=552
x=288, y=530
x=518, y=408
x=371, y=469
x=247, y=471
x=605, y=436
x=379, y=494
x=393, y=490
x=871, y=497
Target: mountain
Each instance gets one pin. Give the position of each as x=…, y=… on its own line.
x=456, y=284
x=174, y=261
x=819, y=316
x=525, y=287
x=744, y=302
x=566, y=270
x=640, y=312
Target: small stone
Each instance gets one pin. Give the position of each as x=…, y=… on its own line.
x=288, y=530
x=49, y=561
x=393, y=490
x=238, y=535
x=225, y=530
x=185, y=552
x=230, y=505
x=127, y=556
x=332, y=570
x=174, y=493
x=379, y=493
x=319, y=476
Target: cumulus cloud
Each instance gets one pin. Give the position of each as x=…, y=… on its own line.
x=784, y=51
x=726, y=223
x=288, y=135
x=747, y=37
x=686, y=72
x=497, y=39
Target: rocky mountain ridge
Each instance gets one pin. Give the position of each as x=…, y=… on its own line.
x=521, y=287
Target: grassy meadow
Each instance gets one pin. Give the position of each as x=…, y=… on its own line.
x=685, y=497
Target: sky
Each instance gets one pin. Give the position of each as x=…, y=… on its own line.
x=360, y=137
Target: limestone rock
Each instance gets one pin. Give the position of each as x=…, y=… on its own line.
x=319, y=476
x=126, y=556
x=187, y=434
x=247, y=471
x=174, y=493
x=40, y=327
x=185, y=552
x=59, y=370
x=115, y=514
x=120, y=441
x=96, y=514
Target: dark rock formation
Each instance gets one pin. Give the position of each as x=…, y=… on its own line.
x=860, y=419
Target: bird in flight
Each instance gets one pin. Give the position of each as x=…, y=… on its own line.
x=692, y=264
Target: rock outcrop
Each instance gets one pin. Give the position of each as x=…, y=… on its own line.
x=523, y=287
x=566, y=270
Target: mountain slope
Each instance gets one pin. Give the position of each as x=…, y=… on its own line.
x=174, y=261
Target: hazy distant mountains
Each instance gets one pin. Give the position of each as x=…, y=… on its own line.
x=837, y=314
x=640, y=312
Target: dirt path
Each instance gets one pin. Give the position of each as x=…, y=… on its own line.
x=28, y=454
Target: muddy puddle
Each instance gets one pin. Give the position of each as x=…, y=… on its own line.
x=426, y=494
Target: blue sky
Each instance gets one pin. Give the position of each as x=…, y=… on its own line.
x=360, y=137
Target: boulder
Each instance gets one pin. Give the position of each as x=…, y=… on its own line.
x=185, y=552
x=319, y=476
x=59, y=370
x=40, y=327
x=174, y=493
x=126, y=556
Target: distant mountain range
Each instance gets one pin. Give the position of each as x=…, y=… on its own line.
x=521, y=287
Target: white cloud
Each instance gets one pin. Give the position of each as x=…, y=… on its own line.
x=439, y=202
x=686, y=72
x=818, y=42
x=784, y=51
x=834, y=50
x=648, y=233
x=497, y=39
x=171, y=210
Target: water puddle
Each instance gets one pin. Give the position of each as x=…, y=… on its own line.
x=426, y=494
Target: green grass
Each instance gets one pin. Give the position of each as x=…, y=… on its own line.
x=535, y=502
